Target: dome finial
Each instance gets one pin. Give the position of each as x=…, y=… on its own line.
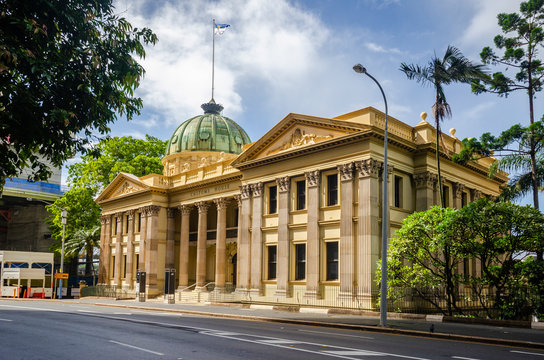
x=211, y=107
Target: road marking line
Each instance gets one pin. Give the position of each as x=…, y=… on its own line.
x=121, y=313
x=137, y=348
x=353, y=352
x=463, y=358
x=279, y=341
x=341, y=335
x=5, y=320
x=88, y=311
x=528, y=353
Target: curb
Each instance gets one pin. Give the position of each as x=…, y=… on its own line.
x=442, y=336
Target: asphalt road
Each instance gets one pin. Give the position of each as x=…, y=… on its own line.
x=56, y=330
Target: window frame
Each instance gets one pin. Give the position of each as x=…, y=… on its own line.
x=300, y=262
x=300, y=195
x=272, y=263
x=329, y=261
x=329, y=190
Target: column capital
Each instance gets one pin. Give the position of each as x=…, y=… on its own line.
x=283, y=183
x=221, y=203
x=143, y=211
x=245, y=191
x=119, y=216
x=202, y=207
x=257, y=189
x=185, y=209
x=171, y=212
x=476, y=194
x=105, y=219
x=346, y=171
x=152, y=210
x=369, y=168
x=313, y=178
x=425, y=179
x=130, y=214
x=238, y=199
x=458, y=190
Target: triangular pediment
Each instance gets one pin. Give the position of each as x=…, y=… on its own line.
x=296, y=132
x=124, y=184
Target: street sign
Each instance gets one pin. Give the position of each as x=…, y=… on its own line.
x=63, y=276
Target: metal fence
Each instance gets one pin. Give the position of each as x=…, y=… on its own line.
x=111, y=291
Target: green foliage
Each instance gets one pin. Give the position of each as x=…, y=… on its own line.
x=431, y=245
x=83, y=215
x=67, y=70
x=84, y=240
x=115, y=155
x=452, y=68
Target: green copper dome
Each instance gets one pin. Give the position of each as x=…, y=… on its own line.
x=208, y=132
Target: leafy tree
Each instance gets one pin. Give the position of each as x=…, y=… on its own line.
x=67, y=70
x=523, y=36
x=84, y=240
x=83, y=214
x=115, y=155
x=422, y=257
x=500, y=235
x=438, y=72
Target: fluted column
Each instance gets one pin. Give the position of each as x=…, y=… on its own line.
x=425, y=184
x=130, y=249
x=105, y=238
x=201, y=245
x=152, y=249
x=256, y=240
x=170, y=241
x=282, y=274
x=236, y=270
x=185, y=211
x=313, y=179
x=244, y=252
x=346, y=232
x=221, y=244
x=143, y=235
x=368, y=228
x=118, y=249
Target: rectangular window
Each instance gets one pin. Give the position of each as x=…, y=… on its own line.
x=332, y=260
x=126, y=224
x=272, y=199
x=446, y=194
x=332, y=190
x=272, y=261
x=124, y=266
x=137, y=262
x=114, y=225
x=113, y=266
x=464, y=199
x=398, y=192
x=300, y=261
x=139, y=221
x=301, y=195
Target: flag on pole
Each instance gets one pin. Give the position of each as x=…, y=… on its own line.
x=220, y=28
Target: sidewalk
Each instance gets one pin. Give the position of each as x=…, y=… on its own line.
x=510, y=336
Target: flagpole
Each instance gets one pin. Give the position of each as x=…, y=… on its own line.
x=213, y=53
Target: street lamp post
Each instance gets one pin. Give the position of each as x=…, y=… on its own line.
x=64, y=215
x=360, y=69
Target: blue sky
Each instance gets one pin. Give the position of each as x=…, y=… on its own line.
x=296, y=56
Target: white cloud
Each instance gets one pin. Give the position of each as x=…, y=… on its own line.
x=380, y=49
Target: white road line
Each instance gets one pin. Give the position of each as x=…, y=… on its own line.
x=527, y=353
x=341, y=335
x=32, y=308
x=354, y=353
x=463, y=358
x=5, y=320
x=88, y=311
x=121, y=313
x=137, y=348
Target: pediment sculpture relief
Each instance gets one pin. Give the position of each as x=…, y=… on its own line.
x=299, y=138
x=126, y=188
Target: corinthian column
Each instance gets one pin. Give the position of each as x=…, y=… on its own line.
x=170, y=241
x=105, y=239
x=201, y=245
x=282, y=275
x=256, y=239
x=152, y=249
x=130, y=249
x=221, y=244
x=244, y=241
x=184, y=246
x=312, y=238
x=425, y=183
x=118, y=249
x=346, y=232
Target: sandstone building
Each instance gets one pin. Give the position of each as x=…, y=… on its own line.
x=293, y=215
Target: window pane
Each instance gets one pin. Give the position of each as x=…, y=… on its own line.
x=332, y=260
x=301, y=195
x=272, y=259
x=332, y=190
x=398, y=191
x=272, y=199
x=300, y=261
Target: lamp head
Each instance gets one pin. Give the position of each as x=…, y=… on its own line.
x=360, y=69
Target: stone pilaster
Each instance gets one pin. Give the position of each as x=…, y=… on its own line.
x=458, y=195
x=221, y=244
x=475, y=194
x=282, y=274
x=425, y=183
x=105, y=239
x=368, y=228
x=143, y=235
x=346, y=246
x=170, y=238
x=313, y=179
x=130, y=250
x=244, y=237
x=152, y=250
x=201, y=245
x=118, y=249
x=185, y=211
x=256, y=240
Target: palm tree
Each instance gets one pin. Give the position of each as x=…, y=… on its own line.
x=438, y=72
x=85, y=240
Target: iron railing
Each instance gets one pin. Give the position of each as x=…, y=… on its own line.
x=111, y=291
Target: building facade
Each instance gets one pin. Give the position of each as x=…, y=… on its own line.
x=293, y=215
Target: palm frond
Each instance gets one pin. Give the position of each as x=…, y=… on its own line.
x=414, y=72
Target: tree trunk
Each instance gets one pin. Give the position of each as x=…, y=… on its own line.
x=437, y=118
